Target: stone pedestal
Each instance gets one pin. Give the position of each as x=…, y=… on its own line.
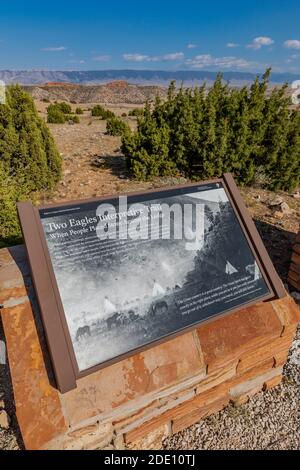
x=294, y=272
x=137, y=402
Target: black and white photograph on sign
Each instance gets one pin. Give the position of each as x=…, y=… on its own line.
x=177, y=258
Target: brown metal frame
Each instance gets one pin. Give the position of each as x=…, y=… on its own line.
x=54, y=320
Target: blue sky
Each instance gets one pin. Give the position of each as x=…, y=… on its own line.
x=170, y=35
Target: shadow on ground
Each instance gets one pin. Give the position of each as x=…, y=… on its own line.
x=278, y=243
x=115, y=163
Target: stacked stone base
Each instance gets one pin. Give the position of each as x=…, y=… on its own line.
x=139, y=401
x=294, y=272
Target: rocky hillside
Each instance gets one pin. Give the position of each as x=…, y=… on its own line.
x=111, y=93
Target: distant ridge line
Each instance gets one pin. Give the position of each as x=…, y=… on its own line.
x=153, y=77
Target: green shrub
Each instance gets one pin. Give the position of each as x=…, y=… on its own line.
x=200, y=133
x=136, y=112
x=79, y=111
x=29, y=160
x=74, y=118
x=64, y=107
x=124, y=115
x=56, y=112
x=99, y=111
x=55, y=116
x=115, y=126
x=10, y=194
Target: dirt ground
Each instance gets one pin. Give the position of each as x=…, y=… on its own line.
x=93, y=166
x=92, y=161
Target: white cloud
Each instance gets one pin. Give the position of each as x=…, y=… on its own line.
x=174, y=56
x=54, y=49
x=292, y=58
x=74, y=61
x=147, y=58
x=102, y=58
x=191, y=45
x=292, y=44
x=232, y=45
x=259, y=42
x=206, y=60
x=136, y=57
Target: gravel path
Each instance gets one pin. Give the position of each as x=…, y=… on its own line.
x=270, y=420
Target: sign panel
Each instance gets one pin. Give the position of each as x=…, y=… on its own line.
x=133, y=271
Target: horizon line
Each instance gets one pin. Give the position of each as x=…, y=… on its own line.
x=143, y=70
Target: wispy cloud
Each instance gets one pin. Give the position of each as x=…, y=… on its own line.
x=191, y=45
x=78, y=61
x=232, y=45
x=292, y=44
x=54, y=49
x=207, y=61
x=102, y=58
x=173, y=56
x=259, y=42
x=292, y=58
x=136, y=57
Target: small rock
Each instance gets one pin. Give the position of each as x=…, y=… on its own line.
x=4, y=420
x=296, y=295
x=278, y=215
x=2, y=353
x=285, y=208
x=277, y=201
x=296, y=195
x=2, y=406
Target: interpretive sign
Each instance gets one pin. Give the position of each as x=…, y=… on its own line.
x=116, y=275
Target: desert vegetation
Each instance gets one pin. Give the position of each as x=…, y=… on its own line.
x=136, y=112
x=200, y=133
x=29, y=160
x=59, y=113
x=190, y=134
x=115, y=126
x=101, y=112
